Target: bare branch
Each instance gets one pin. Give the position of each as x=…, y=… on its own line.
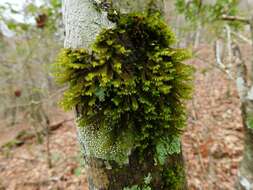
x=229, y=45
x=219, y=62
x=243, y=38
x=251, y=33
x=241, y=75
x=26, y=135
x=235, y=18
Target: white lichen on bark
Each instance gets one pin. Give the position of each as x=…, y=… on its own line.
x=82, y=23
x=245, y=183
x=250, y=94
x=99, y=144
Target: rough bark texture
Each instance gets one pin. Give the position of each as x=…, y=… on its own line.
x=82, y=24
x=126, y=6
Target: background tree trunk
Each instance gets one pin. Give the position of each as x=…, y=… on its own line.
x=245, y=174
x=82, y=24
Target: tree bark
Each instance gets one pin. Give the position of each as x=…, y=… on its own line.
x=83, y=22
x=245, y=174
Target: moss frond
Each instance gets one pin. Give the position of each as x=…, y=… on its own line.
x=132, y=78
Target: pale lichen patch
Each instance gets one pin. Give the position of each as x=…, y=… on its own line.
x=100, y=144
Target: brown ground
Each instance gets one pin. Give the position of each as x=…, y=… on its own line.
x=212, y=143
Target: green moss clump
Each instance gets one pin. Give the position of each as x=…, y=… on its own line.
x=131, y=79
x=174, y=177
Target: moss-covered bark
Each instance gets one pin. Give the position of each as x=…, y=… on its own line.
x=130, y=161
x=139, y=174
x=245, y=175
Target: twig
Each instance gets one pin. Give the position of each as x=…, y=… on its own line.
x=216, y=66
x=241, y=78
x=27, y=159
x=24, y=136
x=41, y=101
x=219, y=61
x=41, y=183
x=55, y=126
x=49, y=160
x=243, y=38
x=235, y=18
x=251, y=33
x=197, y=148
x=229, y=45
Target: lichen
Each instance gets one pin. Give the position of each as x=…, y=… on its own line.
x=98, y=143
x=167, y=146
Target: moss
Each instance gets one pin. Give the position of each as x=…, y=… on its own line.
x=249, y=119
x=130, y=86
x=145, y=186
x=174, y=177
x=137, y=187
x=250, y=122
x=167, y=146
x=12, y=144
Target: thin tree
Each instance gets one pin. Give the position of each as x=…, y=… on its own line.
x=128, y=85
x=244, y=74
x=245, y=91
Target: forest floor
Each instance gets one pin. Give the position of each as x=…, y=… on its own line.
x=212, y=142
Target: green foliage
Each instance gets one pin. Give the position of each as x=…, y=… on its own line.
x=205, y=13
x=132, y=78
x=11, y=144
x=174, y=177
x=250, y=121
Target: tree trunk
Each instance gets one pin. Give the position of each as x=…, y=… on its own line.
x=126, y=169
x=245, y=174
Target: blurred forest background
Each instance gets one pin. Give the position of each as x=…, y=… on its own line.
x=38, y=144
